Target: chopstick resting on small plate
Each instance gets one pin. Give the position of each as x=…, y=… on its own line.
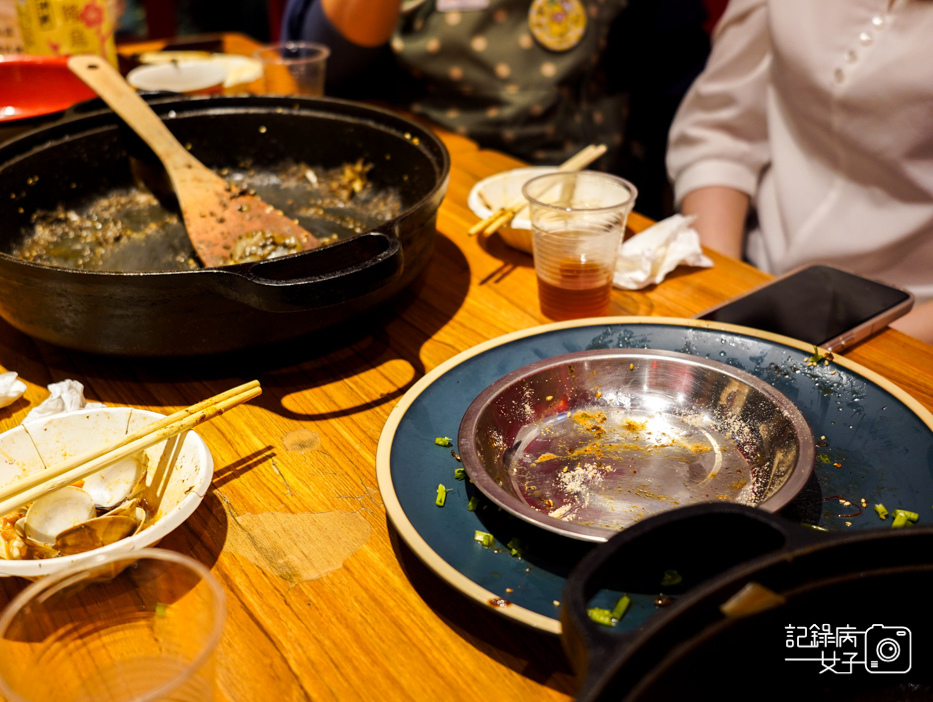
x=30, y=488
x=504, y=215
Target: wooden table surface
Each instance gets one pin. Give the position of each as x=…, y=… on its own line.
x=326, y=602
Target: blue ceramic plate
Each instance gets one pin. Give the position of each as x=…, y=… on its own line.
x=874, y=443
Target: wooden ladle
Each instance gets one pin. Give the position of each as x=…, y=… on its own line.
x=216, y=214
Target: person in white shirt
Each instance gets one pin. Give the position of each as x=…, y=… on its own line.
x=809, y=138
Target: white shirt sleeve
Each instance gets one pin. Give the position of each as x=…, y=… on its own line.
x=720, y=133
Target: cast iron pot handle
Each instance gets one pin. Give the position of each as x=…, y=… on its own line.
x=699, y=541
x=323, y=277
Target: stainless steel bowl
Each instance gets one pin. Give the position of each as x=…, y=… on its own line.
x=588, y=443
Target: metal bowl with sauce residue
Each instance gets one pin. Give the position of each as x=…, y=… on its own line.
x=588, y=443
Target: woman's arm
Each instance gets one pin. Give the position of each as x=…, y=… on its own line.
x=364, y=22
x=720, y=217
x=918, y=322
x=718, y=142
x=357, y=32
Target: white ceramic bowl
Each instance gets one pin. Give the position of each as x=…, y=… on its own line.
x=190, y=77
x=176, y=482
x=241, y=70
x=499, y=190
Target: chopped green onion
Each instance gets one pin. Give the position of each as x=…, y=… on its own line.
x=601, y=616
x=473, y=503
x=881, y=510
x=671, y=577
x=823, y=458
x=441, y=495
x=819, y=356
x=459, y=473
x=909, y=516
x=515, y=548
x=485, y=538
x=621, y=607
x=161, y=609
x=900, y=520
x=443, y=441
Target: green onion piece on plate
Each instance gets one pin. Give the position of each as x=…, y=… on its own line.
x=671, y=577
x=485, y=538
x=601, y=616
x=621, y=607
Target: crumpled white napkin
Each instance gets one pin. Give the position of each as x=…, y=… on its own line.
x=647, y=257
x=65, y=395
x=11, y=388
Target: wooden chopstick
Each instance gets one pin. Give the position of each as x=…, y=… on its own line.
x=28, y=489
x=504, y=215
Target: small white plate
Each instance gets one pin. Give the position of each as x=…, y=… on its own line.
x=240, y=69
x=192, y=77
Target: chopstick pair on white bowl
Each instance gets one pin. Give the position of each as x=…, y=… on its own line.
x=504, y=215
x=29, y=488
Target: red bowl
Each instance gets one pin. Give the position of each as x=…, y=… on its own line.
x=34, y=86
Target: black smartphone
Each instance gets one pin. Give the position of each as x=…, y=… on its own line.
x=819, y=304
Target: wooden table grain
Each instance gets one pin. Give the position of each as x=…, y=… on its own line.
x=326, y=602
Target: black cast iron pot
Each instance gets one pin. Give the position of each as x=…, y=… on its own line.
x=206, y=311
x=766, y=610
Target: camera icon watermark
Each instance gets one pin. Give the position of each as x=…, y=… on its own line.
x=844, y=649
x=887, y=649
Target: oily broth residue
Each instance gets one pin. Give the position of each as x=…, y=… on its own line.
x=131, y=229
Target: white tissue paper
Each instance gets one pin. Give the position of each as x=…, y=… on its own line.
x=646, y=258
x=66, y=395
x=11, y=388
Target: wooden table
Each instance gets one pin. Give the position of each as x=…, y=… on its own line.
x=326, y=602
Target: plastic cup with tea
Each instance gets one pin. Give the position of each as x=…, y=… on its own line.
x=577, y=224
x=140, y=625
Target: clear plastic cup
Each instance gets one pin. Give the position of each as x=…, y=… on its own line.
x=139, y=626
x=577, y=224
x=294, y=68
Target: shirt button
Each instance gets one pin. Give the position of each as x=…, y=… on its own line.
x=865, y=38
x=851, y=56
x=839, y=75
x=878, y=21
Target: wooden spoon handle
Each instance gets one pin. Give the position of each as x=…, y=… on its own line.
x=123, y=99
x=217, y=216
